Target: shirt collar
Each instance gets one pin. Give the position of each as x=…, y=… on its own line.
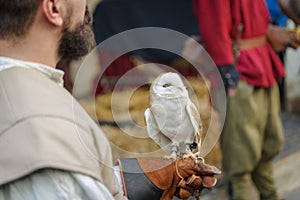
x=54, y=74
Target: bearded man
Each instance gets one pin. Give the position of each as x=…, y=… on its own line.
x=42, y=155
x=50, y=148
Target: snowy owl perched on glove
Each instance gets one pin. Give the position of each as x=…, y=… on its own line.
x=173, y=121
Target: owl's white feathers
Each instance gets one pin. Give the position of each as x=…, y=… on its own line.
x=173, y=121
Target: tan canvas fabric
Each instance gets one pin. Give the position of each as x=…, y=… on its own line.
x=42, y=126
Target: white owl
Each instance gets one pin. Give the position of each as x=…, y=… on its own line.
x=173, y=121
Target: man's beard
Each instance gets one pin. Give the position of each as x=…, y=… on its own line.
x=76, y=43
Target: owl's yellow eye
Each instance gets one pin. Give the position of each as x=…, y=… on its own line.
x=166, y=85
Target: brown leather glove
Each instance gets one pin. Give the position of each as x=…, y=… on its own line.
x=159, y=178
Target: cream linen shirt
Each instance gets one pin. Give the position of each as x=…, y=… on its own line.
x=50, y=183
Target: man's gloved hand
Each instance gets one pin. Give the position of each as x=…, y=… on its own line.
x=159, y=178
x=194, y=184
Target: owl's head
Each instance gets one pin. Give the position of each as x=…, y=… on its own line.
x=169, y=85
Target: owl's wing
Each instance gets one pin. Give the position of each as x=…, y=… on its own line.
x=155, y=134
x=195, y=120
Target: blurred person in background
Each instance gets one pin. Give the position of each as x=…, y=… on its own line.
x=291, y=8
x=241, y=41
x=277, y=17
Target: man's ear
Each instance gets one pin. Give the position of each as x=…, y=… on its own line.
x=53, y=11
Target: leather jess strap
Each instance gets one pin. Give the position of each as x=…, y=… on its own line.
x=251, y=42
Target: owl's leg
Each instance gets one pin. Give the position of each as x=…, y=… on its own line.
x=188, y=151
x=174, y=151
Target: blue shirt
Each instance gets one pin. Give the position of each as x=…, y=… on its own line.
x=277, y=17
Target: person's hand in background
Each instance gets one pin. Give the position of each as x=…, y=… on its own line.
x=280, y=38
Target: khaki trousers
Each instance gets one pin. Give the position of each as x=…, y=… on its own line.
x=251, y=138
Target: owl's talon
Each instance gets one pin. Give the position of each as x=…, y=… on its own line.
x=169, y=157
x=195, y=156
x=172, y=156
x=185, y=156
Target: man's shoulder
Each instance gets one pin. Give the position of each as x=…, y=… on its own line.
x=43, y=126
x=27, y=93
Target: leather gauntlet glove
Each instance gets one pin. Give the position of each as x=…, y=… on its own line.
x=159, y=178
